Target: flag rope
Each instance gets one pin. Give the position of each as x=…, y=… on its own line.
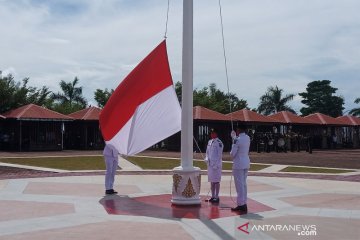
x=225, y=63
x=227, y=80
x=167, y=19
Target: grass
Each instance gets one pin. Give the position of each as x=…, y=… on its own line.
x=167, y=163
x=313, y=170
x=97, y=163
x=65, y=163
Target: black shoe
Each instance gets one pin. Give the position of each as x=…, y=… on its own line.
x=215, y=200
x=110, y=191
x=209, y=200
x=242, y=208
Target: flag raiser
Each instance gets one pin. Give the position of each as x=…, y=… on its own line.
x=144, y=108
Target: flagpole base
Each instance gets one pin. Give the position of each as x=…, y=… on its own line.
x=186, y=186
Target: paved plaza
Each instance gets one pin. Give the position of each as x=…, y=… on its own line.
x=74, y=207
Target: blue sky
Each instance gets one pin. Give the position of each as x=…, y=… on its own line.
x=268, y=42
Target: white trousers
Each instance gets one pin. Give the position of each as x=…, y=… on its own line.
x=240, y=176
x=111, y=166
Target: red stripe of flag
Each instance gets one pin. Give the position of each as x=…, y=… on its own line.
x=148, y=78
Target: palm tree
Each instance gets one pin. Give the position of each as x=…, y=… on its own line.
x=355, y=111
x=71, y=98
x=273, y=101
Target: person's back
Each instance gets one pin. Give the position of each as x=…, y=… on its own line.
x=241, y=164
x=240, y=152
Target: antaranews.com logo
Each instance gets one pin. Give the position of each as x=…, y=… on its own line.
x=299, y=229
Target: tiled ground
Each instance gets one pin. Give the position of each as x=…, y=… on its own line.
x=326, y=200
x=12, y=210
x=74, y=189
x=109, y=230
x=75, y=207
x=158, y=206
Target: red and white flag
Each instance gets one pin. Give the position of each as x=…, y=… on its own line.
x=144, y=108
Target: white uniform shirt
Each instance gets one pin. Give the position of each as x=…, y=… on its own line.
x=240, y=152
x=214, y=152
x=110, y=151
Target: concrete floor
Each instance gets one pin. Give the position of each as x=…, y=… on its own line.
x=74, y=207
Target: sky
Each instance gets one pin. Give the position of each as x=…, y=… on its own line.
x=268, y=42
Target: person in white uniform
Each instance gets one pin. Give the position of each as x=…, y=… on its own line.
x=241, y=164
x=111, y=162
x=213, y=159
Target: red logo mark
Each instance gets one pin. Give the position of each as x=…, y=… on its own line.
x=244, y=228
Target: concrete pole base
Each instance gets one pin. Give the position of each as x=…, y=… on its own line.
x=186, y=186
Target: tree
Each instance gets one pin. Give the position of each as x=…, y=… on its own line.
x=355, y=111
x=102, y=96
x=273, y=101
x=319, y=97
x=213, y=98
x=16, y=94
x=71, y=98
x=178, y=90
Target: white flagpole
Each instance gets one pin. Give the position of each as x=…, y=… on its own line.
x=187, y=88
x=186, y=178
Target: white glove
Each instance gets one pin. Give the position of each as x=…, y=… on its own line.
x=233, y=134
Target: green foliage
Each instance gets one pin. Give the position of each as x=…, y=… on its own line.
x=16, y=94
x=273, y=101
x=313, y=170
x=102, y=96
x=213, y=98
x=66, y=163
x=167, y=163
x=70, y=99
x=319, y=97
x=356, y=111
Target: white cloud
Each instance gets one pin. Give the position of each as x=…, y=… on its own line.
x=8, y=71
x=284, y=43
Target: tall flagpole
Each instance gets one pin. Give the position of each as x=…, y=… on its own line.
x=187, y=88
x=186, y=178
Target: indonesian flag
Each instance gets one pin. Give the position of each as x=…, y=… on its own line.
x=144, y=108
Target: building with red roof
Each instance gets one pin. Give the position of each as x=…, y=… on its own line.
x=203, y=113
x=32, y=128
x=350, y=120
x=2, y=130
x=352, y=132
x=204, y=121
x=88, y=114
x=289, y=118
x=251, y=117
x=329, y=133
x=84, y=133
x=322, y=119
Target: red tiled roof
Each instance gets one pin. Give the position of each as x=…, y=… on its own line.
x=323, y=119
x=207, y=114
x=91, y=113
x=32, y=111
x=289, y=117
x=246, y=115
x=350, y=120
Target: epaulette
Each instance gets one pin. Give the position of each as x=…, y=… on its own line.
x=220, y=142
